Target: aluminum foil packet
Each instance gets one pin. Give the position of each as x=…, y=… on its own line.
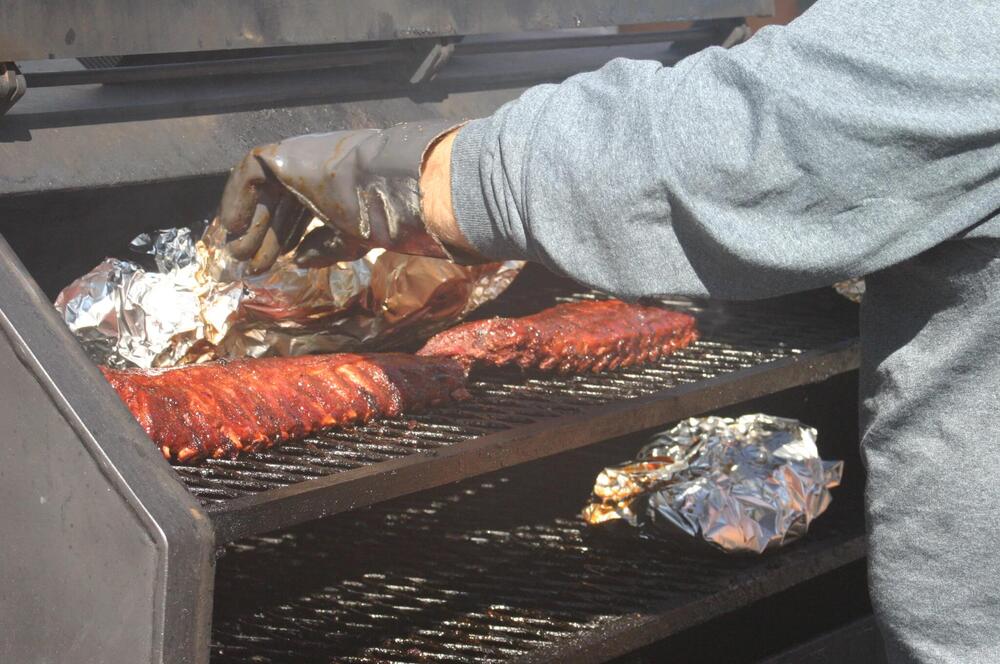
x=199, y=304
x=852, y=289
x=742, y=485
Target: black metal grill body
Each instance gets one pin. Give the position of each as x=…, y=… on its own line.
x=105, y=557
x=109, y=554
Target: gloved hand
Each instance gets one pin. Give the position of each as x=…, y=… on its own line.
x=362, y=183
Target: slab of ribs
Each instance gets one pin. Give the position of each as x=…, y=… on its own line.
x=579, y=337
x=221, y=409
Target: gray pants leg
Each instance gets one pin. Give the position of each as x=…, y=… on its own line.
x=931, y=442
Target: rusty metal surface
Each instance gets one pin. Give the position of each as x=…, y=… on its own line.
x=495, y=569
x=746, y=351
x=40, y=30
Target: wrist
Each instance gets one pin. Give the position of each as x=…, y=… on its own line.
x=435, y=194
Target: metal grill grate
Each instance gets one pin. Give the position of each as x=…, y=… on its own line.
x=734, y=337
x=493, y=569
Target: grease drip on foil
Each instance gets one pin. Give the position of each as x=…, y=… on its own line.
x=742, y=485
x=199, y=304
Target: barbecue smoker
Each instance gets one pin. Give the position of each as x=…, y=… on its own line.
x=357, y=545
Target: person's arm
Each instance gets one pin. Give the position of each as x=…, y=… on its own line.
x=435, y=195
x=858, y=136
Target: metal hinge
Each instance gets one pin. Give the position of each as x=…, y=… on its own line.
x=740, y=34
x=12, y=85
x=438, y=53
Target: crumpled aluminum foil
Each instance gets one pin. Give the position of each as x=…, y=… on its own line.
x=127, y=316
x=742, y=485
x=852, y=289
x=200, y=305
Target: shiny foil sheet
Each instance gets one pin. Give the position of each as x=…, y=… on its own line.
x=852, y=289
x=742, y=485
x=199, y=304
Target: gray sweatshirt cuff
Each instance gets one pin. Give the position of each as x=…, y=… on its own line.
x=470, y=195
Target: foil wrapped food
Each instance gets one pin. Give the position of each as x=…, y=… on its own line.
x=198, y=304
x=852, y=289
x=741, y=485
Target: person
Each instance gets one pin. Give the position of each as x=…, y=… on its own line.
x=861, y=139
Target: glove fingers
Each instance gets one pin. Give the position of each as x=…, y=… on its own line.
x=270, y=249
x=286, y=221
x=325, y=246
x=241, y=195
x=245, y=246
x=280, y=235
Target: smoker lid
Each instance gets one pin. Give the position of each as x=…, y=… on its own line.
x=74, y=28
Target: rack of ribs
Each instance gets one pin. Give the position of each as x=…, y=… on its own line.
x=578, y=337
x=220, y=409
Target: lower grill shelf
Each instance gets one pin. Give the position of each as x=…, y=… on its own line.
x=746, y=350
x=495, y=569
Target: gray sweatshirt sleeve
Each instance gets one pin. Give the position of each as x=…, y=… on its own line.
x=860, y=135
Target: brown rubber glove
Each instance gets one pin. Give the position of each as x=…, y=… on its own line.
x=362, y=183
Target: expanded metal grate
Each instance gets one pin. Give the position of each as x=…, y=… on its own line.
x=735, y=336
x=494, y=569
